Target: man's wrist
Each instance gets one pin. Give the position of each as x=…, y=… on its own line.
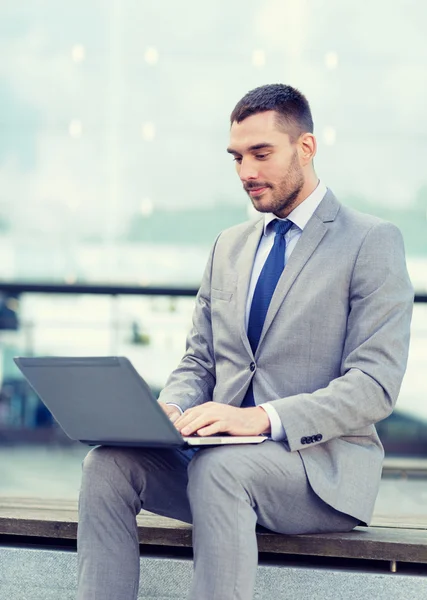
x=176, y=406
x=265, y=420
x=278, y=433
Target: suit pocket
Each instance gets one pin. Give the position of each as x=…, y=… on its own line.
x=221, y=295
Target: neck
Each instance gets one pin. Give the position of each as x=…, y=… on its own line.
x=308, y=188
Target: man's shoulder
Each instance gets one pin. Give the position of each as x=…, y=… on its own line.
x=356, y=227
x=361, y=220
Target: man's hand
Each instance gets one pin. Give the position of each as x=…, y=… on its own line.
x=211, y=418
x=172, y=411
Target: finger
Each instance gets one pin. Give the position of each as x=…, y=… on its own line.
x=189, y=415
x=197, y=410
x=197, y=423
x=212, y=429
x=184, y=419
x=208, y=412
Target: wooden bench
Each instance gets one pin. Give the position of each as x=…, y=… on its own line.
x=387, y=540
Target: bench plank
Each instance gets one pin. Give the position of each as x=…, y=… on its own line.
x=23, y=507
x=58, y=520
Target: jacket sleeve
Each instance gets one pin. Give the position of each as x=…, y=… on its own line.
x=375, y=351
x=193, y=381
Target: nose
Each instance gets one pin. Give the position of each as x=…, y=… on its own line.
x=248, y=170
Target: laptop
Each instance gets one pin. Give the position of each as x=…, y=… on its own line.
x=104, y=401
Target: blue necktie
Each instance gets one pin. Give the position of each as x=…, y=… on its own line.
x=266, y=284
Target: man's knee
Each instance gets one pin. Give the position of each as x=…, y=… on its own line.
x=215, y=468
x=99, y=460
x=105, y=468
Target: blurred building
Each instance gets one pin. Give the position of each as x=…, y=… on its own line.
x=113, y=170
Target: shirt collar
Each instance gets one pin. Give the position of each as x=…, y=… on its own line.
x=304, y=211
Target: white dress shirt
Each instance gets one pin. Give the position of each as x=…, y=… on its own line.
x=299, y=217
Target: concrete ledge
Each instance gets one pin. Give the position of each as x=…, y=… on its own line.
x=51, y=574
x=404, y=467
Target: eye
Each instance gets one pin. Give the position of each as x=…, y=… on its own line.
x=261, y=156
x=237, y=159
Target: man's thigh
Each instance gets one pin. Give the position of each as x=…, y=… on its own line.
x=166, y=483
x=158, y=476
x=275, y=485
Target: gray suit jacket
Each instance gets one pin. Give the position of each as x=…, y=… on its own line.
x=332, y=352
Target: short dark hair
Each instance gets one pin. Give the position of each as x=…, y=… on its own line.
x=291, y=106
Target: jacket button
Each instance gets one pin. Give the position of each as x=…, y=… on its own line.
x=319, y=437
x=303, y=440
x=310, y=439
x=252, y=366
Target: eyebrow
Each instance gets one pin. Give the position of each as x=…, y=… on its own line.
x=260, y=146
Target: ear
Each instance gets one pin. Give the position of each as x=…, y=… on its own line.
x=307, y=148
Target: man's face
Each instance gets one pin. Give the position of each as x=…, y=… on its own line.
x=267, y=163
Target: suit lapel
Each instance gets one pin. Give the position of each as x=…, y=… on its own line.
x=306, y=245
x=244, y=266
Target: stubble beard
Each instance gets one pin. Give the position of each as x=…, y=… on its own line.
x=283, y=196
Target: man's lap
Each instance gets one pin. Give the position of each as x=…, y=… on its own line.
x=272, y=477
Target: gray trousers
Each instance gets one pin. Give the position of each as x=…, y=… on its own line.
x=224, y=491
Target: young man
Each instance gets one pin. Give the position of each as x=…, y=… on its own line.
x=301, y=331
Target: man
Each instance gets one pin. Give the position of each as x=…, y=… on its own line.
x=312, y=354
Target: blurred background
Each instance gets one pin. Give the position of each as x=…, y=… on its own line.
x=114, y=180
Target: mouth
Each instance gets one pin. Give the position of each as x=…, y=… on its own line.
x=254, y=192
